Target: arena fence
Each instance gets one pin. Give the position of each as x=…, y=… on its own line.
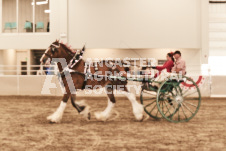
x=33, y=83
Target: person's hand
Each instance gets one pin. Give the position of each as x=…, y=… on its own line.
x=153, y=67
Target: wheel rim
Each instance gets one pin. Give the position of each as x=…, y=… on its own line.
x=148, y=99
x=185, y=102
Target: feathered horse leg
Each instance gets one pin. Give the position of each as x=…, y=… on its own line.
x=81, y=107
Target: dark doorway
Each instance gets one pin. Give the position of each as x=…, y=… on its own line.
x=23, y=67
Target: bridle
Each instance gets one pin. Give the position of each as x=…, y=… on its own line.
x=53, y=49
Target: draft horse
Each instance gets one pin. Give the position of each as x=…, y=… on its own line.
x=79, y=81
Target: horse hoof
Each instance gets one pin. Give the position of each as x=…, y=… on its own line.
x=89, y=116
x=141, y=119
x=99, y=116
x=54, y=119
x=86, y=113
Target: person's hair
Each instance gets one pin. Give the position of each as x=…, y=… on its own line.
x=171, y=56
x=177, y=52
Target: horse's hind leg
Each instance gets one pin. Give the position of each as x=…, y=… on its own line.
x=103, y=116
x=81, y=107
x=58, y=114
x=138, y=109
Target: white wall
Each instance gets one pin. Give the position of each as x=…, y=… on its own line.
x=8, y=57
x=135, y=23
x=1, y=57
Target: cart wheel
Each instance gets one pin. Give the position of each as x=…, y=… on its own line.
x=148, y=99
x=181, y=102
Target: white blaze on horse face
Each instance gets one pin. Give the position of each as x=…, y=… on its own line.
x=58, y=114
x=41, y=60
x=138, y=109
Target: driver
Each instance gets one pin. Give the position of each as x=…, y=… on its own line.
x=178, y=68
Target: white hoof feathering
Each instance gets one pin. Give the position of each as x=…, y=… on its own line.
x=85, y=113
x=103, y=116
x=138, y=109
x=100, y=116
x=58, y=114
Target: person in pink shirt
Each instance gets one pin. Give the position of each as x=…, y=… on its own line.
x=180, y=65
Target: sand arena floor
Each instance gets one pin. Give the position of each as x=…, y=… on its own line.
x=23, y=126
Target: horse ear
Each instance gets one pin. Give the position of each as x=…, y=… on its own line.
x=84, y=48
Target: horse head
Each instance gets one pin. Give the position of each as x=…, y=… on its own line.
x=53, y=51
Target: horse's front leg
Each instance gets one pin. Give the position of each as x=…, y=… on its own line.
x=104, y=115
x=138, y=109
x=81, y=107
x=58, y=114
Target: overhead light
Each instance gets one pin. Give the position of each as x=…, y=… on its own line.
x=47, y=11
x=40, y=3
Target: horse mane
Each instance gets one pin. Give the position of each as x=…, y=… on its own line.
x=65, y=46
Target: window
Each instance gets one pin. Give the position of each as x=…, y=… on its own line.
x=25, y=16
x=42, y=16
x=217, y=65
x=9, y=16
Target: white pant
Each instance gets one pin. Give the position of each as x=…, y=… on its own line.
x=164, y=75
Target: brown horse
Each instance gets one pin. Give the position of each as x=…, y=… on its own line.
x=80, y=81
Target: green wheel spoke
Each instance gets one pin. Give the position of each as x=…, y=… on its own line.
x=179, y=112
x=185, y=91
x=191, y=93
x=149, y=99
x=188, y=108
x=183, y=111
x=177, y=98
x=150, y=103
x=167, y=109
x=157, y=112
x=187, y=99
x=153, y=108
x=175, y=109
x=190, y=104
